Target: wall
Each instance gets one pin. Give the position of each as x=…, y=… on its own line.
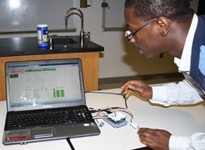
x=119, y=58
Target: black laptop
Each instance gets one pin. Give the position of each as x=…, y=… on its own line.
x=46, y=101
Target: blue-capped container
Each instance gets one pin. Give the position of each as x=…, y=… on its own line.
x=42, y=31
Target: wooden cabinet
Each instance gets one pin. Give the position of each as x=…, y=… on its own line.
x=90, y=62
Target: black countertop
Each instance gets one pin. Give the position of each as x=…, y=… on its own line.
x=29, y=46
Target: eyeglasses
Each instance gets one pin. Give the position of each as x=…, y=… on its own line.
x=129, y=33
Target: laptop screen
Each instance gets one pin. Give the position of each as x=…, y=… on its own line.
x=44, y=84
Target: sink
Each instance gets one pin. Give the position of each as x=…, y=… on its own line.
x=64, y=42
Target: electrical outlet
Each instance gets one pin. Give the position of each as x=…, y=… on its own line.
x=83, y=4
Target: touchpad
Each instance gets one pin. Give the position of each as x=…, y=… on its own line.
x=42, y=132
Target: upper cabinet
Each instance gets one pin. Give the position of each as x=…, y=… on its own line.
x=24, y=15
x=113, y=14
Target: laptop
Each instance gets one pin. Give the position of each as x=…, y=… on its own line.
x=46, y=101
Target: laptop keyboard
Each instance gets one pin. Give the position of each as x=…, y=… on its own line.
x=60, y=116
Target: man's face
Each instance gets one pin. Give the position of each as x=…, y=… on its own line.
x=146, y=39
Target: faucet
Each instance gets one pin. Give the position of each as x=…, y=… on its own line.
x=78, y=12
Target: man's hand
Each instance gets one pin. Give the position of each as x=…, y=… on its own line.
x=138, y=87
x=155, y=138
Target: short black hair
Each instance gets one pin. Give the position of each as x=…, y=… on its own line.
x=150, y=9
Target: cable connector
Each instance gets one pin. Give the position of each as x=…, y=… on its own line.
x=134, y=125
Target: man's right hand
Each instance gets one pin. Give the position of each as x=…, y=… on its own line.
x=137, y=86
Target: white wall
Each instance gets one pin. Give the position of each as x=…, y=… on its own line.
x=119, y=57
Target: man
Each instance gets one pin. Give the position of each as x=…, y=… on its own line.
x=157, y=26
